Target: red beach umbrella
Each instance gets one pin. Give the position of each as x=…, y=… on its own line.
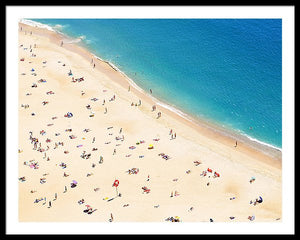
x=116, y=183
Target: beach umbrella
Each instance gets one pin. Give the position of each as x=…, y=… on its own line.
x=116, y=184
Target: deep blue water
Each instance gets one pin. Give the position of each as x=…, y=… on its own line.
x=226, y=71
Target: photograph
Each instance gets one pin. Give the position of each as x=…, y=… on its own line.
x=149, y=119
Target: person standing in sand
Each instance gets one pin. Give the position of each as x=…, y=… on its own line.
x=236, y=144
x=111, y=217
x=62, y=43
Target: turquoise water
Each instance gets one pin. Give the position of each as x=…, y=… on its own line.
x=226, y=71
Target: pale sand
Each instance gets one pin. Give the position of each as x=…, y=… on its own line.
x=196, y=201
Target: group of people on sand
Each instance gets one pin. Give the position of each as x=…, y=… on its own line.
x=89, y=210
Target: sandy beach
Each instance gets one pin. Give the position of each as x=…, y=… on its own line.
x=93, y=147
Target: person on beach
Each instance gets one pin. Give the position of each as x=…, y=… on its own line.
x=128, y=88
x=101, y=160
x=62, y=43
x=236, y=144
x=150, y=90
x=153, y=108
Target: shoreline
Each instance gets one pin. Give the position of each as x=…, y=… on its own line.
x=263, y=151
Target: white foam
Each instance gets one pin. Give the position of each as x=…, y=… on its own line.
x=36, y=24
x=260, y=142
x=76, y=40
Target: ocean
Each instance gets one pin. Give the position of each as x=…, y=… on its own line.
x=224, y=71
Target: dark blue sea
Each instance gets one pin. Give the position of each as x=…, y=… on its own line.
x=225, y=71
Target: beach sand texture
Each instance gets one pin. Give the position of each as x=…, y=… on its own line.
x=100, y=142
